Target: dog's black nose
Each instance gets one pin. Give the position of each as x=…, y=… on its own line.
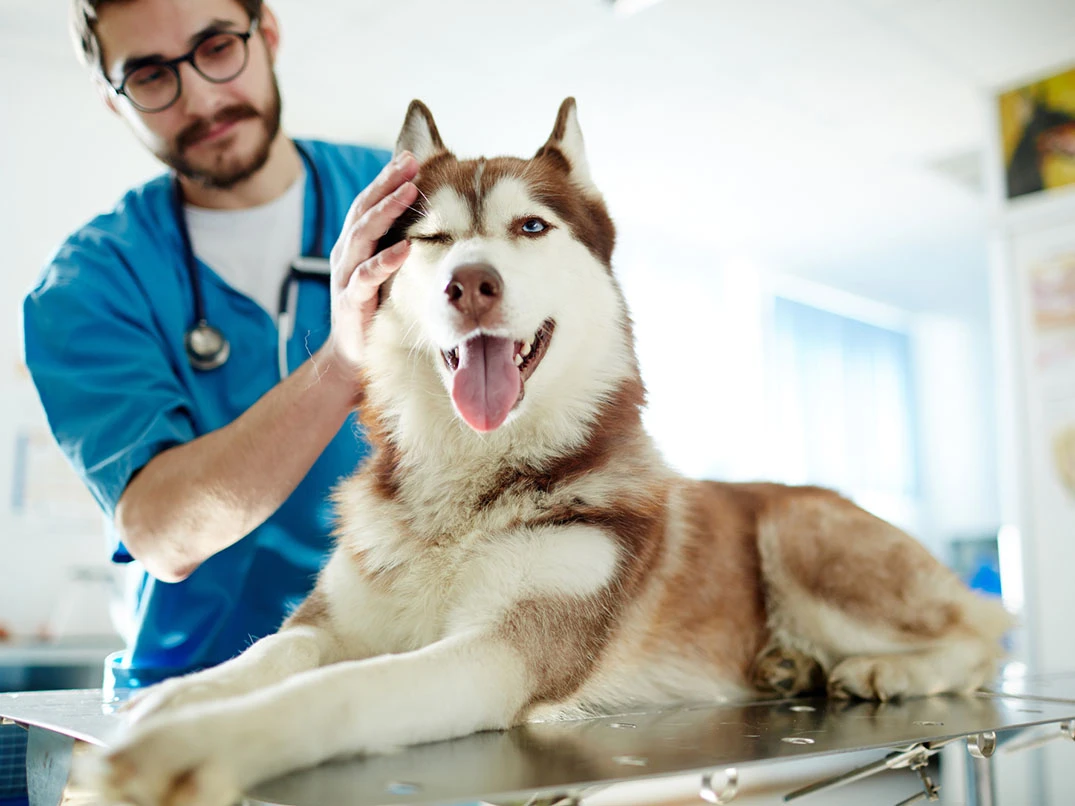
x=475, y=289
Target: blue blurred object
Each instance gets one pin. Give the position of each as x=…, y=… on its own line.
x=987, y=577
x=976, y=560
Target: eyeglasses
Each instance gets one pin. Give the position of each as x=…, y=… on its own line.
x=219, y=58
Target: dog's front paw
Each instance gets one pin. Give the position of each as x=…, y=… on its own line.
x=881, y=678
x=168, y=696
x=165, y=766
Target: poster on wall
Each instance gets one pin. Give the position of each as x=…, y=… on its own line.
x=1045, y=264
x=44, y=488
x=1037, y=127
x=1064, y=456
x=1052, y=299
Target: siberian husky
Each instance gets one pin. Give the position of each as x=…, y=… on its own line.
x=516, y=549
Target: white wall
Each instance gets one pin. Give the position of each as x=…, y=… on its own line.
x=62, y=159
x=954, y=390
x=1033, y=397
x=699, y=319
x=1046, y=401
x=700, y=322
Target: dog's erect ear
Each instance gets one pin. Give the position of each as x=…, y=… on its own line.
x=419, y=134
x=566, y=138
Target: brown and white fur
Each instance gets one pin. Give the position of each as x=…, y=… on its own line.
x=507, y=557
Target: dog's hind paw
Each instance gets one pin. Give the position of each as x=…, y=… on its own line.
x=786, y=673
x=865, y=677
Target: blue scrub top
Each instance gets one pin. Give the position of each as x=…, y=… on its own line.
x=103, y=339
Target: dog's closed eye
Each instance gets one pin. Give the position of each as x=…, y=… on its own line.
x=434, y=238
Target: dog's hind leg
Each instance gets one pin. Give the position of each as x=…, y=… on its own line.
x=304, y=642
x=879, y=613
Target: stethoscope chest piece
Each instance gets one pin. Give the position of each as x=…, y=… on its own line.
x=206, y=346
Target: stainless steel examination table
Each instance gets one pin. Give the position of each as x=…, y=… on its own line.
x=558, y=763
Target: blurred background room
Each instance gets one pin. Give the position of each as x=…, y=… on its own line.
x=846, y=233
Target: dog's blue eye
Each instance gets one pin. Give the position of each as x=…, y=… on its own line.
x=534, y=226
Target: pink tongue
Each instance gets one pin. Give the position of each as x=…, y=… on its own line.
x=487, y=383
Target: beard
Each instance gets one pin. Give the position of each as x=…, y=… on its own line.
x=224, y=173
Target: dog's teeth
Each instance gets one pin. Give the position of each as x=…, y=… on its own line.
x=527, y=347
x=518, y=360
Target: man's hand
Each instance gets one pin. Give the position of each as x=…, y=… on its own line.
x=358, y=270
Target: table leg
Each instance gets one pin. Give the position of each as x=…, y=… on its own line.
x=48, y=766
x=980, y=782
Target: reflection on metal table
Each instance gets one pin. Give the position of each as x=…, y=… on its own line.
x=560, y=761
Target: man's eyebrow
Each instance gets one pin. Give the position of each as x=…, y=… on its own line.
x=215, y=26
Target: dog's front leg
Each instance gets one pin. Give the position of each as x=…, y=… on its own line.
x=210, y=754
x=268, y=661
x=532, y=617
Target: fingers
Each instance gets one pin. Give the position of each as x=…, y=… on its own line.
x=358, y=242
x=401, y=169
x=369, y=276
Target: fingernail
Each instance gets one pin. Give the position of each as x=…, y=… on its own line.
x=403, y=159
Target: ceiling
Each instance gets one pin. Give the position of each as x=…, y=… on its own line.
x=840, y=140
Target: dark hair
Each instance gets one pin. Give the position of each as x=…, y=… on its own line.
x=84, y=26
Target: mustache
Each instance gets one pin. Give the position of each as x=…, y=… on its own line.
x=199, y=128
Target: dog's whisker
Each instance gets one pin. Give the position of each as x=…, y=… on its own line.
x=424, y=196
x=422, y=213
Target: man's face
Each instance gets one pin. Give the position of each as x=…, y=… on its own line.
x=216, y=134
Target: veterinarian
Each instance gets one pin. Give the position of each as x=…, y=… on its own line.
x=196, y=357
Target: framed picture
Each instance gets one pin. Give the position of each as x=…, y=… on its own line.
x=1037, y=126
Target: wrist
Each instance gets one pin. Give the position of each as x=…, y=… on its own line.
x=334, y=370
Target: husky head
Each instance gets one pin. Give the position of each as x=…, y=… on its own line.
x=506, y=314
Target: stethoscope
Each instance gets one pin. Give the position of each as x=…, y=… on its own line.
x=206, y=345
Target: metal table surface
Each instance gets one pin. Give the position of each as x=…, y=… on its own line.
x=570, y=757
x=1059, y=687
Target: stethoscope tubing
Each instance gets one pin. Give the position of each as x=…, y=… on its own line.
x=308, y=265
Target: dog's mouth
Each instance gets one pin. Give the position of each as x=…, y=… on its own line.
x=489, y=374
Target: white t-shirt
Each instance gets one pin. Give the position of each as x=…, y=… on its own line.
x=252, y=249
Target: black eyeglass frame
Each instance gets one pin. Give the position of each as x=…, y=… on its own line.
x=173, y=66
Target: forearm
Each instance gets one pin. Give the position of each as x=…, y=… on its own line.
x=196, y=499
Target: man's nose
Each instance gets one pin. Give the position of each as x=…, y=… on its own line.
x=475, y=290
x=199, y=97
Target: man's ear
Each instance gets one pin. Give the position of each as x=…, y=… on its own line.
x=269, y=27
x=106, y=94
